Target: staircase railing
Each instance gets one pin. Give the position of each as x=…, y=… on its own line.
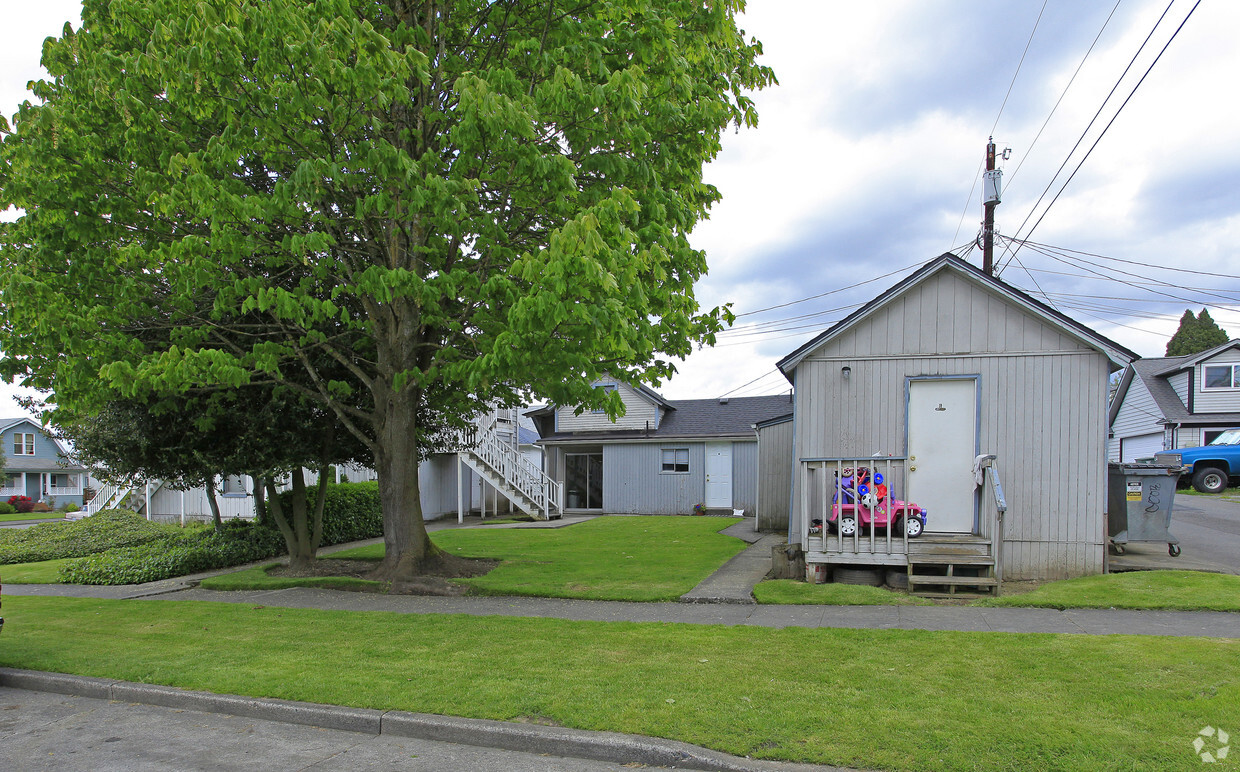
x=988, y=464
x=519, y=473
x=108, y=497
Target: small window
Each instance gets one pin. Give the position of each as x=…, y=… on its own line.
x=675, y=459
x=23, y=444
x=12, y=480
x=607, y=389
x=1222, y=377
x=234, y=485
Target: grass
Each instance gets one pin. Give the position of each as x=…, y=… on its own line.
x=41, y=572
x=792, y=592
x=608, y=558
x=23, y=516
x=878, y=699
x=257, y=578
x=1172, y=590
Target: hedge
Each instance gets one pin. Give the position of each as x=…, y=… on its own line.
x=105, y=530
x=352, y=512
x=185, y=553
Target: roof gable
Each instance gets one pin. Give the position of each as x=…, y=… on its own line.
x=952, y=264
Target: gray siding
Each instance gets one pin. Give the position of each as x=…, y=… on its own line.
x=633, y=482
x=638, y=411
x=774, y=476
x=1043, y=410
x=1216, y=400
x=744, y=476
x=1179, y=382
x=1138, y=415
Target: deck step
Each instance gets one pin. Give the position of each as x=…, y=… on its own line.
x=974, y=581
x=944, y=560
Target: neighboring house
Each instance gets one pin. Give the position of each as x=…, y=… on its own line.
x=1167, y=403
x=661, y=457
x=494, y=467
x=947, y=365
x=36, y=465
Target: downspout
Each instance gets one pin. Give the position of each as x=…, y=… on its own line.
x=796, y=466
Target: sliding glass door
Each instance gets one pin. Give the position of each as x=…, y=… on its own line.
x=583, y=480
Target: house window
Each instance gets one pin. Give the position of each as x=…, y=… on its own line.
x=13, y=481
x=676, y=460
x=1222, y=377
x=234, y=485
x=23, y=444
x=607, y=389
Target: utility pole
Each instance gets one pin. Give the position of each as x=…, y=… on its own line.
x=990, y=198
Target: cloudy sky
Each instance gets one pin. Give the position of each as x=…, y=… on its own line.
x=867, y=161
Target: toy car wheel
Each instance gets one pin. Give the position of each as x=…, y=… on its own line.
x=911, y=525
x=848, y=526
x=1209, y=479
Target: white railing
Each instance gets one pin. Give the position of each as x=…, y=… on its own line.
x=65, y=490
x=7, y=493
x=519, y=473
x=107, y=497
x=859, y=507
x=990, y=464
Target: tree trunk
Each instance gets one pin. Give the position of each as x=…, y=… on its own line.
x=407, y=548
x=215, y=505
x=300, y=537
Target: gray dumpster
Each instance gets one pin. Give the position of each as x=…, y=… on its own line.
x=1139, y=500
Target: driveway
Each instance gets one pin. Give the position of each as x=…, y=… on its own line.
x=1208, y=528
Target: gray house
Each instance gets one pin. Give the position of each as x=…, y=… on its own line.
x=948, y=365
x=1166, y=403
x=660, y=457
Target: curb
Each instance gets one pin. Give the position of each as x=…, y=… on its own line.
x=610, y=747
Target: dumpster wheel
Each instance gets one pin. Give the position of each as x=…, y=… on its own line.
x=1173, y=550
x=1119, y=548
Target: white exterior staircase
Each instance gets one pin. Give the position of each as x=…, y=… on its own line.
x=500, y=463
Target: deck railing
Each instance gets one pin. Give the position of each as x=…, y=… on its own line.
x=855, y=506
x=514, y=469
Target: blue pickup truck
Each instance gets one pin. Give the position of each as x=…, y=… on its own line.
x=1210, y=467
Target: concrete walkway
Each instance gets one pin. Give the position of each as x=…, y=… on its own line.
x=724, y=598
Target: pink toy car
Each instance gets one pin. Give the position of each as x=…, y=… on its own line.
x=867, y=505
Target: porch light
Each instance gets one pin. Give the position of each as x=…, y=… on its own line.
x=846, y=371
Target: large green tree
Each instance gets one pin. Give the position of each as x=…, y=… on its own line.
x=1195, y=334
x=458, y=202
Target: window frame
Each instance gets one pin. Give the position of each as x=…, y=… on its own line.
x=607, y=389
x=23, y=443
x=1232, y=367
x=244, y=489
x=675, y=462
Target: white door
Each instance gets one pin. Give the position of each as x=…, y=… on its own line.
x=719, y=475
x=942, y=443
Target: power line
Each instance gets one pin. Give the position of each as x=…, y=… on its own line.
x=1176, y=269
x=832, y=292
x=1088, y=126
x=743, y=385
x=1063, y=93
x=1028, y=42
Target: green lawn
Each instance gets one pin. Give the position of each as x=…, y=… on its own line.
x=20, y=516
x=42, y=572
x=877, y=699
x=608, y=558
x=1178, y=590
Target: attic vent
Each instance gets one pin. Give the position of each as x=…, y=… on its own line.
x=723, y=400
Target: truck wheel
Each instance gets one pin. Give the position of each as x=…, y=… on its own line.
x=1209, y=479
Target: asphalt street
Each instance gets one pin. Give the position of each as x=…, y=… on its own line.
x=43, y=732
x=1208, y=528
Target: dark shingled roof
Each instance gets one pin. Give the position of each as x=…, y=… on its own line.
x=705, y=418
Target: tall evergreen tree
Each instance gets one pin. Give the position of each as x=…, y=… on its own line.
x=1195, y=334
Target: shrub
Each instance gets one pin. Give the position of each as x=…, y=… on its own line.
x=6, y=508
x=23, y=504
x=352, y=512
x=70, y=506
x=187, y=552
x=39, y=506
x=104, y=530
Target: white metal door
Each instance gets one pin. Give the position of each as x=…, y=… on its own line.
x=1142, y=446
x=719, y=474
x=942, y=443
